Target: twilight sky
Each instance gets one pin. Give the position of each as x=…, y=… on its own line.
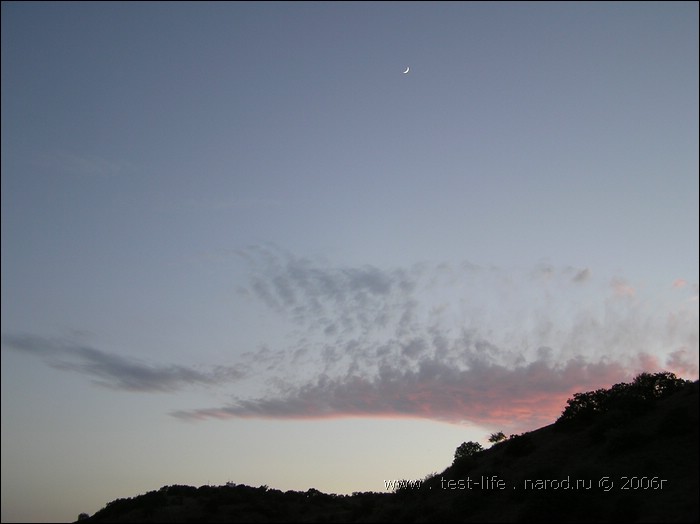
x=239, y=244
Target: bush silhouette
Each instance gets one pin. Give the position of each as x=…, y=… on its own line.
x=466, y=450
x=628, y=399
x=495, y=438
x=585, y=406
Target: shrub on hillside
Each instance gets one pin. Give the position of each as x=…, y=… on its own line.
x=630, y=399
x=467, y=450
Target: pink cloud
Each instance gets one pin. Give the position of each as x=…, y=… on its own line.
x=490, y=395
x=621, y=288
x=679, y=283
x=683, y=362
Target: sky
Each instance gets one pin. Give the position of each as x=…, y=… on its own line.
x=240, y=244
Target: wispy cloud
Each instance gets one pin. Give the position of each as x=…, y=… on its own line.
x=220, y=203
x=622, y=288
x=582, y=275
x=114, y=371
x=333, y=299
x=82, y=164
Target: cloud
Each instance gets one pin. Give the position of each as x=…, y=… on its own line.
x=683, y=362
x=680, y=283
x=621, y=287
x=221, y=203
x=448, y=342
x=81, y=164
x=331, y=298
x=455, y=343
x=582, y=276
x=114, y=371
x=488, y=395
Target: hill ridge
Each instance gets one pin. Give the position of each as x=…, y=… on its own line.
x=634, y=459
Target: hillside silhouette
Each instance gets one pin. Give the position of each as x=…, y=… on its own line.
x=624, y=454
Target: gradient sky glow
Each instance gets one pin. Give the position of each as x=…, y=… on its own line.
x=238, y=244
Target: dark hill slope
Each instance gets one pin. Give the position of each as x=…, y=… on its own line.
x=637, y=464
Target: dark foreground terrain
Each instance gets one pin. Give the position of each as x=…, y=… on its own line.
x=625, y=454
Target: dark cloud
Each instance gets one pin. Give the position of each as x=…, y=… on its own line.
x=114, y=371
x=582, y=275
x=513, y=399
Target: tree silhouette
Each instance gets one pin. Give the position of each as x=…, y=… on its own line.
x=497, y=437
x=467, y=449
x=652, y=386
x=635, y=397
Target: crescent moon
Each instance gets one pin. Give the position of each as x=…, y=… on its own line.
x=407, y=70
